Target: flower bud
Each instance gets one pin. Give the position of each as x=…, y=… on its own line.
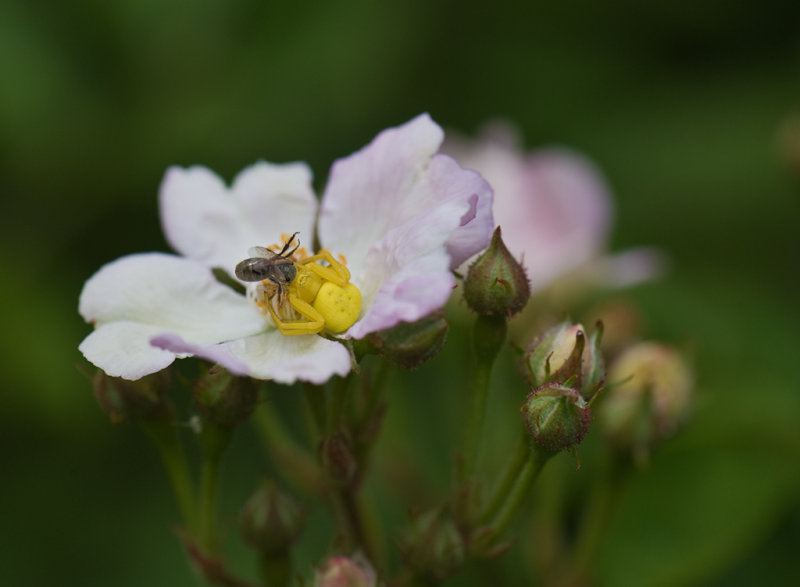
x=557, y=417
x=565, y=354
x=433, y=546
x=122, y=398
x=496, y=283
x=222, y=398
x=336, y=454
x=648, y=399
x=410, y=344
x=340, y=571
x=271, y=521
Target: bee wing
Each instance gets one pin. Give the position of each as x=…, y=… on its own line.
x=262, y=252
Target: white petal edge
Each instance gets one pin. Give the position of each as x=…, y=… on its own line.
x=272, y=355
x=169, y=293
x=122, y=349
x=204, y=220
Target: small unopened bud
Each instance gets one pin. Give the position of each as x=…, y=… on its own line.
x=410, y=344
x=122, y=399
x=648, y=399
x=496, y=283
x=336, y=454
x=340, y=571
x=222, y=398
x=271, y=521
x=433, y=546
x=565, y=354
x=557, y=417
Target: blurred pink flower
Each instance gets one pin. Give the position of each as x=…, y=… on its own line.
x=402, y=215
x=554, y=208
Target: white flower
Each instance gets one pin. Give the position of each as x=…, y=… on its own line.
x=402, y=215
x=555, y=211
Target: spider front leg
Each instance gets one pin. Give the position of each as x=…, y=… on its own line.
x=311, y=321
x=336, y=273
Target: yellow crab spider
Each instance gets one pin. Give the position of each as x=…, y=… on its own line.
x=321, y=295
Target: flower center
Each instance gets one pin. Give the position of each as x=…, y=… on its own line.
x=306, y=294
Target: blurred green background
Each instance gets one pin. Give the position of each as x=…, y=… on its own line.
x=680, y=104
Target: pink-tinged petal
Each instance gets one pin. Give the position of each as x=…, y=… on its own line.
x=215, y=353
x=171, y=294
x=287, y=359
x=409, y=293
x=122, y=349
x=206, y=221
x=452, y=183
x=368, y=192
x=626, y=268
x=553, y=205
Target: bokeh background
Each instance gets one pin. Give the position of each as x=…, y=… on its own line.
x=685, y=106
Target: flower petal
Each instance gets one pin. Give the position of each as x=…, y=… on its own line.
x=171, y=294
x=216, y=353
x=408, y=294
x=368, y=192
x=122, y=349
x=206, y=221
x=404, y=217
x=287, y=359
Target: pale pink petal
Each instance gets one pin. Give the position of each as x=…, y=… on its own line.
x=409, y=293
x=171, y=294
x=555, y=213
x=122, y=349
x=626, y=268
x=393, y=180
x=206, y=221
x=217, y=353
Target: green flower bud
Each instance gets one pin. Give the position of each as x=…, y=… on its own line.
x=649, y=397
x=122, y=399
x=433, y=545
x=410, y=344
x=224, y=399
x=271, y=520
x=564, y=354
x=340, y=571
x=496, y=283
x=557, y=417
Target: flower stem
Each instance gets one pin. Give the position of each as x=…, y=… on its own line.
x=295, y=464
x=530, y=472
x=606, y=493
x=165, y=436
x=488, y=337
x=214, y=440
x=521, y=456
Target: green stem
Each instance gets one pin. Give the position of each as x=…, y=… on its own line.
x=315, y=398
x=488, y=337
x=170, y=448
x=521, y=456
x=214, y=440
x=603, y=502
x=338, y=401
x=276, y=571
x=294, y=462
x=530, y=472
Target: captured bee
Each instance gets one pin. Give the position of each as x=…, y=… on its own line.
x=302, y=296
x=269, y=265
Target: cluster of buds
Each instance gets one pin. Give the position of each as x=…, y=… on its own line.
x=341, y=571
x=648, y=399
x=565, y=370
